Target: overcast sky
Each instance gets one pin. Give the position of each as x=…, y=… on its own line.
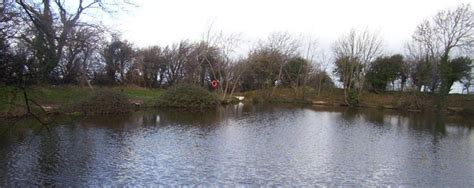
x=164, y=22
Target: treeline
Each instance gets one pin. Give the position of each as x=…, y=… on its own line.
x=437, y=56
x=48, y=42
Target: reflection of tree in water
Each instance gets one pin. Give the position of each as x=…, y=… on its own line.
x=208, y=118
x=270, y=108
x=376, y=117
x=106, y=120
x=428, y=122
x=433, y=123
x=22, y=129
x=49, y=159
x=150, y=118
x=183, y=117
x=351, y=115
x=45, y=154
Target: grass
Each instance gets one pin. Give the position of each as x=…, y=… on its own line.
x=58, y=95
x=12, y=103
x=148, y=96
x=11, y=99
x=395, y=100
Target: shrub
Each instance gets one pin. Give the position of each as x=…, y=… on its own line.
x=353, y=98
x=187, y=96
x=104, y=102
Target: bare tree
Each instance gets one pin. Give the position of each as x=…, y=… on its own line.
x=153, y=65
x=176, y=57
x=423, y=65
x=284, y=44
x=236, y=69
x=262, y=68
x=425, y=54
x=205, y=57
x=230, y=70
x=118, y=56
x=79, y=53
x=455, y=29
x=447, y=31
x=358, y=50
x=321, y=66
x=54, y=22
x=309, y=48
x=11, y=21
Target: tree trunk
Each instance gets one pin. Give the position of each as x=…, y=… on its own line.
x=319, y=85
x=279, y=79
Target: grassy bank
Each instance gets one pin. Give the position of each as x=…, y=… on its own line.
x=403, y=101
x=59, y=98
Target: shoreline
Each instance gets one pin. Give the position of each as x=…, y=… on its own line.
x=56, y=99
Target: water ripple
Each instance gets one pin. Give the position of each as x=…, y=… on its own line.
x=258, y=146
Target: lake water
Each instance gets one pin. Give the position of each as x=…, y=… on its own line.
x=242, y=145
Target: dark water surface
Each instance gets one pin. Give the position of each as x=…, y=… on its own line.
x=243, y=145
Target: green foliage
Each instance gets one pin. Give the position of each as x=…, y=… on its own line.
x=353, y=98
x=142, y=93
x=187, y=96
x=294, y=70
x=118, y=57
x=467, y=81
x=104, y=102
x=452, y=71
x=320, y=79
x=384, y=70
x=263, y=67
x=46, y=54
x=65, y=98
x=147, y=96
x=459, y=68
x=424, y=73
x=10, y=98
x=348, y=70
